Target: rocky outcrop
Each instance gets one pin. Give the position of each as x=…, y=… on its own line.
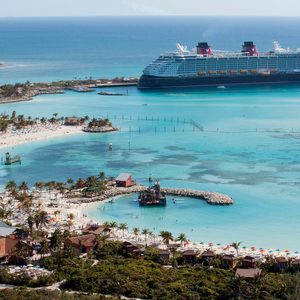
x=99, y=129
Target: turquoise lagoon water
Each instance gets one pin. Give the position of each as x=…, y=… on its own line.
x=249, y=149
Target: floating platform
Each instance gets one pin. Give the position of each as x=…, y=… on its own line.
x=9, y=160
x=110, y=94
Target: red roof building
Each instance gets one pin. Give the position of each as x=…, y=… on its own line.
x=124, y=180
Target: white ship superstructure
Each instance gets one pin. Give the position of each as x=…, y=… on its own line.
x=203, y=63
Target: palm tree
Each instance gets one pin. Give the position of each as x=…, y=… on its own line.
x=44, y=247
x=25, y=201
x=30, y=222
x=166, y=237
x=23, y=187
x=123, y=227
x=113, y=225
x=181, y=238
x=39, y=185
x=20, y=253
x=11, y=186
x=40, y=219
x=80, y=183
x=70, y=182
x=102, y=175
x=56, y=239
x=136, y=232
x=145, y=232
x=236, y=246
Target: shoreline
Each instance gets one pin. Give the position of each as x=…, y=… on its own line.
x=26, y=92
x=36, y=133
x=199, y=246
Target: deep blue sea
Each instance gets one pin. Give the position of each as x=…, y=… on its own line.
x=62, y=48
x=249, y=149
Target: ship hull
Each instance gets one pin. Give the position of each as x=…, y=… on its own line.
x=153, y=82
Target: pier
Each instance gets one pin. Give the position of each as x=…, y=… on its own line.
x=212, y=198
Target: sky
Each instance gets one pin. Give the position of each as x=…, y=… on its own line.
x=46, y=8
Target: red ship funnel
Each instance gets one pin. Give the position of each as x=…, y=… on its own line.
x=204, y=49
x=250, y=49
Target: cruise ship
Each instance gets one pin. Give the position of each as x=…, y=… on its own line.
x=205, y=67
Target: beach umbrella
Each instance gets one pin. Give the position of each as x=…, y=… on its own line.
x=278, y=250
x=286, y=251
x=296, y=252
x=261, y=248
x=244, y=247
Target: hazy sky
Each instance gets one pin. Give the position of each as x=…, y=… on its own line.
x=19, y=8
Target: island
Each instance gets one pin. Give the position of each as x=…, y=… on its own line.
x=26, y=91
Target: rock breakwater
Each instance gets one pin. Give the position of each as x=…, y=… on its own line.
x=210, y=197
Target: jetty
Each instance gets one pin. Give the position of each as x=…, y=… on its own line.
x=80, y=89
x=212, y=198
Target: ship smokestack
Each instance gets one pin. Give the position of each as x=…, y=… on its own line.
x=250, y=49
x=204, y=49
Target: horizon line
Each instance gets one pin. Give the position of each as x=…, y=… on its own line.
x=147, y=15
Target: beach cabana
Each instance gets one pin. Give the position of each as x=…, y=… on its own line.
x=163, y=255
x=281, y=263
x=229, y=261
x=96, y=229
x=296, y=264
x=248, y=273
x=130, y=249
x=208, y=255
x=81, y=244
x=189, y=256
x=249, y=262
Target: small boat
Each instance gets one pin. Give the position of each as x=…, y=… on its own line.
x=9, y=160
x=222, y=87
x=153, y=196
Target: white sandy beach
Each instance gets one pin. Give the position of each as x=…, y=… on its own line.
x=36, y=133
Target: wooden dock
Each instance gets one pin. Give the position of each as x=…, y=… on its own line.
x=112, y=84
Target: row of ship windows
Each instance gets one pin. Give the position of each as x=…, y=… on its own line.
x=287, y=64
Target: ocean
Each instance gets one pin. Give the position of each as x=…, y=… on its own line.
x=46, y=49
x=249, y=148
